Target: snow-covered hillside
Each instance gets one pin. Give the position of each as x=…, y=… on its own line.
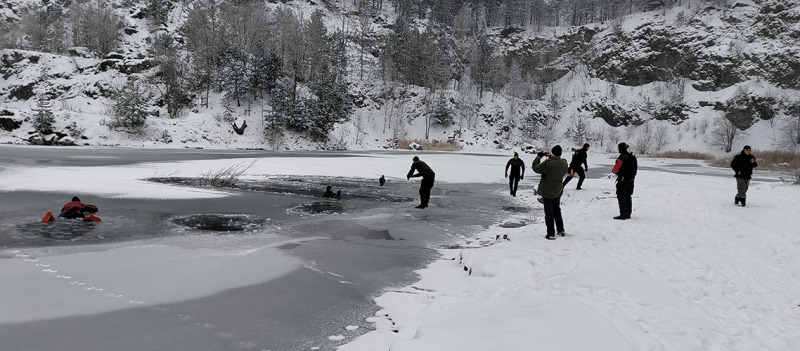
x=660, y=80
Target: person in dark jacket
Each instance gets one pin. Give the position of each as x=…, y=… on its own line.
x=553, y=170
x=743, y=165
x=578, y=158
x=428, y=177
x=625, y=168
x=517, y=173
x=330, y=194
x=77, y=209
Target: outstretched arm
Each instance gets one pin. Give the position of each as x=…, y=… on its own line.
x=90, y=209
x=411, y=172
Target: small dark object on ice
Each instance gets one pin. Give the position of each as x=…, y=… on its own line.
x=382, y=180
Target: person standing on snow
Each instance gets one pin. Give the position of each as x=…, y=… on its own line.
x=578, y=158
x=553, y=171
x=743, y=165
x=625, y=168
x=517, y=173
x=77, y=209
x=428, y=177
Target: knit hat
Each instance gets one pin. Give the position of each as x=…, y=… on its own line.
x=556, y=150
x=622, y=147
x=516, y=154
x=585, y=146
x=746, y=147
x=75, y=198
x=415, y=159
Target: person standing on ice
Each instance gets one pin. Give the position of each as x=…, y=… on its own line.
x=578, y=158
x=625, y=168
x=743, y=165
x=553, y=170
x=428, y=176
x=517, y=173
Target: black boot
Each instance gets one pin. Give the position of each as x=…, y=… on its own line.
x=742, y=200
x=622, y=217
x=736, y=201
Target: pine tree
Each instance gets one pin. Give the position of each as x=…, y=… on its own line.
x=442, y=114
x=264, y=72
x=233, y=76
x=43, y=117
x=157, y=10
x=130, y=106
x=482, y=66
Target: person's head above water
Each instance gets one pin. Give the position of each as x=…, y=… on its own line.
x=75, y=198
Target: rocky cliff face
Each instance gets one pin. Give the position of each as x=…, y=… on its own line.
x=624, y=72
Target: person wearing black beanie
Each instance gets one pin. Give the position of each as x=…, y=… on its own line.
x=743, y=165
x=517, y=173
x=625, y=168
x=553, y=170
x=428, y=177
x=578, y=158
x=77, y=209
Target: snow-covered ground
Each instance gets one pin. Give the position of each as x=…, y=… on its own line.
x=690, y=271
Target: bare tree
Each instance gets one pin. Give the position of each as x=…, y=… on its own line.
x=548, y=132
x=661, y=136
x=790, y=131
x=725, y=133
x=644, y=139
x=96, y=26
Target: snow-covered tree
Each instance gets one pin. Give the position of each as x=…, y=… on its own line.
x=233, y=77
x=43, y=117
x=130, y=106
x=95, y=25
x=442, y=114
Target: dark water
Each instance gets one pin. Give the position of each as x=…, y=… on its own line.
x=372, y=238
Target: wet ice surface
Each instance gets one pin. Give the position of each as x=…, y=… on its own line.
x=351, y=249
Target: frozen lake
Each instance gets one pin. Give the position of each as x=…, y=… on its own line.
x=270, y=266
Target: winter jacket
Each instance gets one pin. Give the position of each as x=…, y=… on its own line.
x=578, y=159
x=76, y=209
x=424, y=170
x=517, y=167
x=626, y=167
x=742, y=166
x=553, y=171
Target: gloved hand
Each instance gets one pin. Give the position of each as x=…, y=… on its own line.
x=521, y=177
x=540, y=153
x=506, y=175
x=587, y=168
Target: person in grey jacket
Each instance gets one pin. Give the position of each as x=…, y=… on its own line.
x=553, y=169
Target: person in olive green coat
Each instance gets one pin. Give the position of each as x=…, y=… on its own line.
x=553, y=171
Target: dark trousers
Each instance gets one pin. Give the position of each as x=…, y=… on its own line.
x=624, y=193
x=579, y=171
x=552, y=216
x=425, y=191
x=513, y=181
x=741, y=187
